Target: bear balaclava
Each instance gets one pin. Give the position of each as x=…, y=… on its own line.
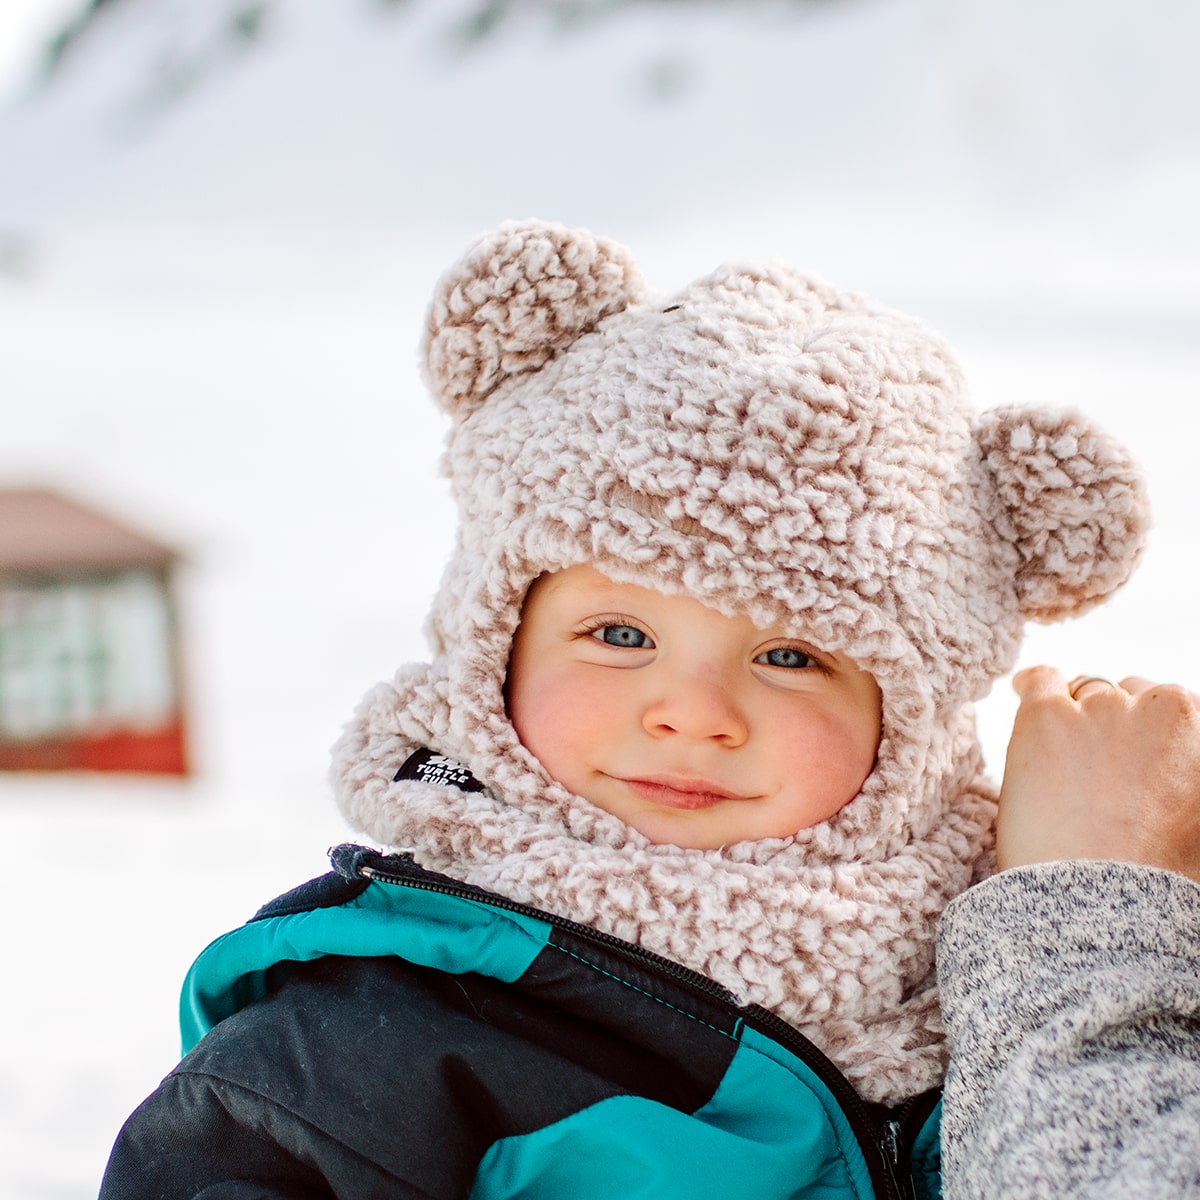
x=771, y=446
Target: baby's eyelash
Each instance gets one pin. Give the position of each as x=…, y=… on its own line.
x=591, y=624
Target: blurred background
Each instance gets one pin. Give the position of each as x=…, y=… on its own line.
x=220, y=221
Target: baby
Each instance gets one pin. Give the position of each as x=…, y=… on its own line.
x=691, y=775
x=694, y=728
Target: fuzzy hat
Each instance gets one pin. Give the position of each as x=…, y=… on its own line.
x=770, y=446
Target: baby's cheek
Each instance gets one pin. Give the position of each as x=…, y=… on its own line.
x=550, y=723
x=533, y=717
x=836, y=757
x=856, y=747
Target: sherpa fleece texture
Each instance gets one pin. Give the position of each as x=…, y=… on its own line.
x=1072, y=997
x=772, y=446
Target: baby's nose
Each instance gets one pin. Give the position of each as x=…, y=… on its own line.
x=696, y=703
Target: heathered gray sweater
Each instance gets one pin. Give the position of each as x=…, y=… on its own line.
x=1071, y=992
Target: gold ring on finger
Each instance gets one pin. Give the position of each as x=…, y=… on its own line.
x=1077, y=685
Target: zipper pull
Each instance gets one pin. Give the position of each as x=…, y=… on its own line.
x=351, y=861
x=890, y=1148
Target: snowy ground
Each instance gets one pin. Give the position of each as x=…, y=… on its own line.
x=250, y=392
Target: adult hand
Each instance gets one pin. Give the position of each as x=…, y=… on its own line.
x=1111, y=772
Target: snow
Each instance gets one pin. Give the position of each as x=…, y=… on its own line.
x=208, y=321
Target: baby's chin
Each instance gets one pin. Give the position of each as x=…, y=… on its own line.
x=689, y=829
x=692, y=823
x=696, y=821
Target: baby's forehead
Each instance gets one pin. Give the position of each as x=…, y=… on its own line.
x=606, y=587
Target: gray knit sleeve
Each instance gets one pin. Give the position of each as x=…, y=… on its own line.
x=1071, y=994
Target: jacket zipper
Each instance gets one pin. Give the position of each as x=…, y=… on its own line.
x=674, y=971
x=881, y=1145
x=890, y=1146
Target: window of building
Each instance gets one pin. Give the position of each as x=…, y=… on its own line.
x=86, y=655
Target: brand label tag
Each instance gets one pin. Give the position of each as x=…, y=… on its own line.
x=425, y=766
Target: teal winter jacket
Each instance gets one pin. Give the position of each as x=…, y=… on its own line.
x=385, y=1031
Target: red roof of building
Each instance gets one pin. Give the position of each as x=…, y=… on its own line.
x=43, y=531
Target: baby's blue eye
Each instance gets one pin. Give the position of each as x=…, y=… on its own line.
x=626, y=636
x=785, y=656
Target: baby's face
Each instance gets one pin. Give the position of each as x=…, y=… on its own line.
x=697, y=729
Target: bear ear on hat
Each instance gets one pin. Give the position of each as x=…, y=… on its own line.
x=1071, y=502
x=517, y=297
